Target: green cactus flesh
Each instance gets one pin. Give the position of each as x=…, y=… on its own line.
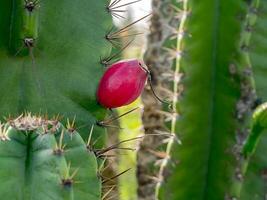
x=50, y=57
x=40, y=159
x=255, y=186
x=215, y=105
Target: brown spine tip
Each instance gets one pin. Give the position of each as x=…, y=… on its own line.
x=30, y=5
x=58, y=152
x=67, y=182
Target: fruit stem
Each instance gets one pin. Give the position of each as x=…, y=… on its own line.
x=149, y=77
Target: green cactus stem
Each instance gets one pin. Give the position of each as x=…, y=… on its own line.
x=50, y=58
x=159, y=57
x=255, y=186
x=258, y=126
x=40, y=159
x=215, y=104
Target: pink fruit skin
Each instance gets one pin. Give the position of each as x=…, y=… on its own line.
x=121, y=84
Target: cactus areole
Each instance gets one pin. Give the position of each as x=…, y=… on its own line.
x=122, y=83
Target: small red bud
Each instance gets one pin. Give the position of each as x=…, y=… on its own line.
x=122, y=83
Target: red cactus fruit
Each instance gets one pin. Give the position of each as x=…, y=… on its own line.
x=122, y=83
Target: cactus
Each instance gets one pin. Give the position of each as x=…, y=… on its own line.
x=255, y=182
x=40, y=159
x=224, y=101
x=213, y=98
x=159, y=58
x=50, y=55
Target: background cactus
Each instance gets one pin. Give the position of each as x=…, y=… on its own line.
x=40, y=159
x=255, y=182
x=221, y=82
x=218, y=96
x=159, y=58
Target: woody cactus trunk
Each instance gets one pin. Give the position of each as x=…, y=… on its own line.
x=203, y=143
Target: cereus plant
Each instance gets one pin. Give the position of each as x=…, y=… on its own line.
x=52, y=56
x=255, y=182
x=43, y=160
x=56, y=60
x=212, y=87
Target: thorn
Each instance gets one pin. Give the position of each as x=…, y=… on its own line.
x=115, y=146
x=158, y=154
x=89, y=141
x=108, y=192
x=176, y=7
x=4, y=132
x=29, y=42
x=114, y=35
x=68, y=180
x=106, y=123
x=174, y=53
x=102, y=166
x=154, y=178
x=98, y=138
x=116, y=176
x=30, y=5
x=108, y=126
x=168, y=134
x=112, y=155
x=114, y=197
x=71, y=125
x=113, y=8
x=106, y=61
x=59, y=150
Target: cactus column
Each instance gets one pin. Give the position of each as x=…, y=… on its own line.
x=159, y=58
x=255, y=186
x=49, y=57
x=215, y=105
x=42, y=160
